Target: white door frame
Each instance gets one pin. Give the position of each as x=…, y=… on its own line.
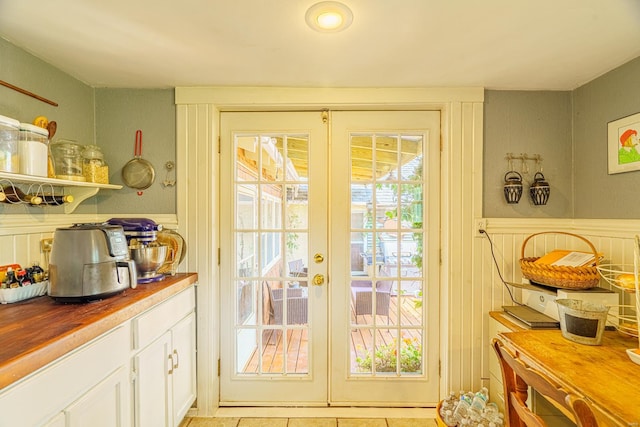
x=197, y=169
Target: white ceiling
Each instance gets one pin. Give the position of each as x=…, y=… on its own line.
x=497, y=44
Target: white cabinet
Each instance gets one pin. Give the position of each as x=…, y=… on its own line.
x=184, y=367
x=496, y=390
x=102, y=406
x=57, y=421
x=90, y=383
x=141, y=372
x=165, y=366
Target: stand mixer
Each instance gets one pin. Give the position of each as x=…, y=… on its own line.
x=144, y=249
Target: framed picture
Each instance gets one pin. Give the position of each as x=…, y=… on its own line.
x=624, y=144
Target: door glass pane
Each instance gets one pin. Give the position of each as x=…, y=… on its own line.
x=271, y=252
x=386, y=254
x=246, y=254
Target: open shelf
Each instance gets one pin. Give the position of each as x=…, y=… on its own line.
x=78, y=189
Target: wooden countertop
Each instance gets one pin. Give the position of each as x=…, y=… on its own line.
x=37, y=331
x=603, y=374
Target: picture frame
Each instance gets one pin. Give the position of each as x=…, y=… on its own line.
x=624, y=144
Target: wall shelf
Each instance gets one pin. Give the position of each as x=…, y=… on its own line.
x=78, y=189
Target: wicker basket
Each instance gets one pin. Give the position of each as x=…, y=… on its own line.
x=560, y=276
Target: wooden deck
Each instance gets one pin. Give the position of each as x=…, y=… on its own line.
x=273, y=354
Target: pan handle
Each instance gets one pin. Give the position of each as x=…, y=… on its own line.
x=137, y=151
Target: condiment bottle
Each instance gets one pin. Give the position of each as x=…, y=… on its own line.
x=15, y=195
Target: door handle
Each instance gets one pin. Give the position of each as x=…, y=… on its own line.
x=318, y=258
x=318, y=279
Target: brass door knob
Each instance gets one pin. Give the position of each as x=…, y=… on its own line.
x=318, y=279
x=318, y=258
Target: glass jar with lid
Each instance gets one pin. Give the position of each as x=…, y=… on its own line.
x=94, y=168
x=67, y=159
x=9, y=151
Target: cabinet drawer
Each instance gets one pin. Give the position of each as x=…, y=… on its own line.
x=35, y=399
x=159, y=319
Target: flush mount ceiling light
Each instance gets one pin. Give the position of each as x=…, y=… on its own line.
x=329, y=17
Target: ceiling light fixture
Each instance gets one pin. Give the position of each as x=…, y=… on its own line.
x=329, y=17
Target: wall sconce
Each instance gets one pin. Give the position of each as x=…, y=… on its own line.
x=512, y=187
x=539, y=190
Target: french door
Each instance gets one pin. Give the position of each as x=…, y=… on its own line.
x=329, y=258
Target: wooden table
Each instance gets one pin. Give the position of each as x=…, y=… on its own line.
x=604, y=375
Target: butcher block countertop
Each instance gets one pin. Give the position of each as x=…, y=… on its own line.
x=37, y=331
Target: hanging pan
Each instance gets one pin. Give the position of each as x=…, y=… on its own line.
x=138, y=173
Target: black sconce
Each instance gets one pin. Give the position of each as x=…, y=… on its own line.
x=512, y=187
x=539, y=190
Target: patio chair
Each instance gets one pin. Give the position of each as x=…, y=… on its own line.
x=297, y=306
x=297, y=269
x=362, y=297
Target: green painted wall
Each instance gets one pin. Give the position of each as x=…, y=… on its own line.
x=106, y=117
x=75, y=112
x=567, y=128
x=609, y=97
x=537, y=122
x=119, y=113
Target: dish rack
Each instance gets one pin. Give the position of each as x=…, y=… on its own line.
x=626, y=277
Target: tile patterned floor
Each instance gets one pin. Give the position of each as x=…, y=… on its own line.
x=308, y=422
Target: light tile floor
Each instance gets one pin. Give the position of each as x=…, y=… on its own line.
x=308, y=422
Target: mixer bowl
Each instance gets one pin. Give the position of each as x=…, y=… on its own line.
x=148, y=259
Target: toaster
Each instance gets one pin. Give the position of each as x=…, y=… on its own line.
x=90, y=261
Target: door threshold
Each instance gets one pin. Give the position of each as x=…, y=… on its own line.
x=323, y=412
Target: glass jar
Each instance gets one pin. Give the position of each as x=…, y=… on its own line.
x=67, y=160
x=34, y=150
x=9, y=152
x=94, y=168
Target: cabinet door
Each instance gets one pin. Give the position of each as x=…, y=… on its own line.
x=152, y=384
x=496, y=388
x=57, y=421
x=183, y=336
x=105, y=405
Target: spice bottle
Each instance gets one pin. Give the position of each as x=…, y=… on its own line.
x=94, y=168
